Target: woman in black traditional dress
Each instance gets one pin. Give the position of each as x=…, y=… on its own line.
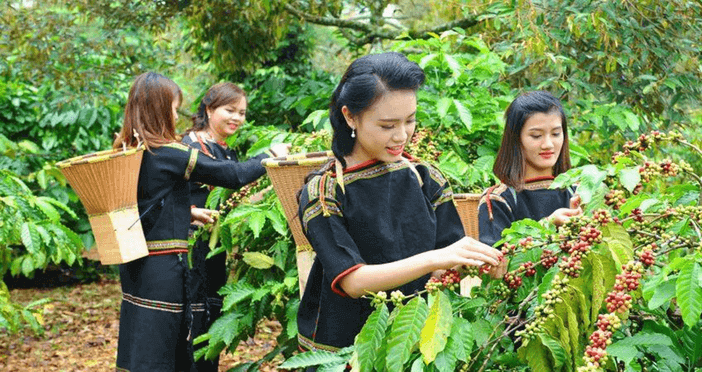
x=534, y=150
x=377, y=218
x=155, y=316
x=221, y=112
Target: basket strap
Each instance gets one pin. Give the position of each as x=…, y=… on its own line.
x=340, y=175
x=414, y=170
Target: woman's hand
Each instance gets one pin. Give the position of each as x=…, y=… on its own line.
x=575, y=201
x=202, y=216
x=469, y=252
x=280, y=149
x=562, y=215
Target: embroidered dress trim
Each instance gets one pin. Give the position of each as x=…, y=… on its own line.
x=313, y=346
x=374, y=171
x=435, y=174
x=197, y=307
x=191, y=164
x=538, y=183
x=117, y=369
x=335, y=284
x=317, y=208
x=153, y=305
x=446, y=196
x=177, y=146
x=159, y=247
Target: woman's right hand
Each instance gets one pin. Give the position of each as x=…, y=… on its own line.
x=281, y=149
x=469, y=252
x=562, y=215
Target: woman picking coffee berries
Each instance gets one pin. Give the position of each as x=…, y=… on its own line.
x=534, y=150
x=377, y=218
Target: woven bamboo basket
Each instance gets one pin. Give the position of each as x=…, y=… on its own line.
x=467, y=207
x=106, y=183
x=287, y=175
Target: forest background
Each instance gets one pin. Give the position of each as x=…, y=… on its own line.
x=621, y=68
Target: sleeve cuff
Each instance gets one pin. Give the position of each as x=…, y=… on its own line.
x=335, y=284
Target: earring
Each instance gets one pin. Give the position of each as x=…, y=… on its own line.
x=353, y=132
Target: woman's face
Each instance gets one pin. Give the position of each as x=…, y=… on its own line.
x=382, y=131
x=174, y=107
x=226, y=119
x=542, y=140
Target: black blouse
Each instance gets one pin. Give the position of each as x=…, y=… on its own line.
x=387, y=212
x=501, y=205
x=163, y=193
x=251, y=169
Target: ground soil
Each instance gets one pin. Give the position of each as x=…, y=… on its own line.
x=81, y=329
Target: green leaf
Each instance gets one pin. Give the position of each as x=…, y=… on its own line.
x=629, y=178
x=558, y=354
x=662, y=293
x=369, y=340
x=47, y=208
x=690, y=341
x=27, y=266
x=278, y=222
x=689, y=293
x=437, y=328
x=234, y=293
x=258, y=260
x=442, y=106
x=405, y=332
x=482, y=329
x=256, y=223
x=598, y=285
x=535, y=355
x=312, y=358
x=455, y=66
x=464, y=114
x=30, y=237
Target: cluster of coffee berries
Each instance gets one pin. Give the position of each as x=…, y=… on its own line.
x=422, y=145
x=544, y=311
x=595, y=352
x=548, y=259
x=450, y=279
x=627, y=281
x=646, y=255
x=571, y=265
x=379, y=299
x=602, y=216
x=637, y=215
x=500, y=290
x=615, y=198
x=649, y=170
x=668, y=168
x=397, y=297
x=512, y=280
x=471, y=270
x=527, y=268
x=590, y=234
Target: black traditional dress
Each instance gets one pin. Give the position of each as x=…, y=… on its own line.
x=501, y=205
x=385, y=212
x=207, y=276
x=155, y=316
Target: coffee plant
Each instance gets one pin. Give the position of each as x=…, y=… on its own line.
x=616, y=289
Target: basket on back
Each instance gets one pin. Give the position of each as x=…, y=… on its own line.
x=287, y=175
x=106, y=183
x=467, y=207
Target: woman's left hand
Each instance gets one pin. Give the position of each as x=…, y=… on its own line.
x=202, y=216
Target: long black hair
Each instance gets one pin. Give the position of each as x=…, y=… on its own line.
x=509, y=164
x=363, y=83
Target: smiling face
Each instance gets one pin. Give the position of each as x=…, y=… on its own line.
x=542, y=139
x=382, y=131
x=226, y=119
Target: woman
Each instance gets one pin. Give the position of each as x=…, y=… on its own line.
x=221, y=112
x=534, y=150
x=376, y=218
